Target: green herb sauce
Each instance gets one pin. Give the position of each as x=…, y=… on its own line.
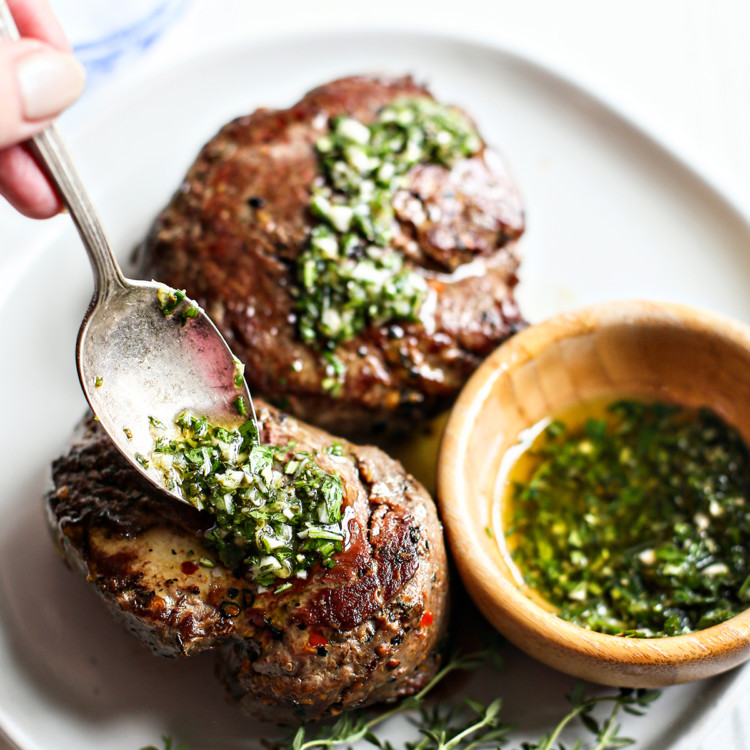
x=239, y=373
x=349, y=277
x=636, y=523
x=277, y=512
x=170, y=299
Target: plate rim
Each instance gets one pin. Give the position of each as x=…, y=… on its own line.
x=541, y=63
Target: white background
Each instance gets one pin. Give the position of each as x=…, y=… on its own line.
x=681, y=68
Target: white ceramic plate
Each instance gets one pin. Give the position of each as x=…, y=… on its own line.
x=611, y=214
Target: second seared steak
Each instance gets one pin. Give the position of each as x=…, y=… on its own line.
x=233, y=232
x=364, y=631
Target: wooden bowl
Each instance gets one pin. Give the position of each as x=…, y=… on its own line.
x=670, y=352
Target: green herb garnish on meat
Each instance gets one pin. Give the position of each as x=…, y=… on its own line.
x=350, y=277
x=277, y=512
x=639, y=523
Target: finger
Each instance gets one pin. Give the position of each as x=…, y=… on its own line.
x=36, y=84
x=35, y=19
x=32, y=94
x=24, y=185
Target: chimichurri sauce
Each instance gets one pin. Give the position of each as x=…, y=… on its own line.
x=349, y=277
x=636, y=523
x=276, y=511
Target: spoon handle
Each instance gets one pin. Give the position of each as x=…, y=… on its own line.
x=54, y=158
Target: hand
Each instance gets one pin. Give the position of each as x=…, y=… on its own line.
x=39, y=77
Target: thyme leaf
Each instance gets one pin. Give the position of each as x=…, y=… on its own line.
x=606, y=732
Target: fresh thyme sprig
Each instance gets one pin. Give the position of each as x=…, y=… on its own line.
x=349, y=729
x=472, y=724
x=605, y=732
x=452, y=729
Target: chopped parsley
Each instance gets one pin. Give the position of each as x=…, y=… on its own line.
x=637, y=524
x=335, y=374
x=239, y=373
x=157, y=424
x=276, y=511
x=188, y=313
x=170, y=299
x=349, y=277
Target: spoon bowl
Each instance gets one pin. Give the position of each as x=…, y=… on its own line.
x=137, y=364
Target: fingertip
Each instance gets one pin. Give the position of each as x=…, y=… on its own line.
x=41, y=206
x=36, y=83
x=24, y=185
x=48, y=82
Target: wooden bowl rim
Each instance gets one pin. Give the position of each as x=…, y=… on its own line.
x=482, y=573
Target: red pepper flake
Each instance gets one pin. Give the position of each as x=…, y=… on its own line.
x=229, y=609
x=427, y=620
x=316, y=640
x=188, y=567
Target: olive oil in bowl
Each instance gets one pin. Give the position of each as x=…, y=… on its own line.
x=631, y=518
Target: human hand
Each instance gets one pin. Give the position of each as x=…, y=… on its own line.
x=39, y=77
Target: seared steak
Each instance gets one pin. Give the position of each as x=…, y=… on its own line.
x=364, y=631
x=235, y=228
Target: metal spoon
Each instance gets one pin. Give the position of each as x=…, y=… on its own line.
x=134, y=361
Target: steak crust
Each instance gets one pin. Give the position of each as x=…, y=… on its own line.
x=365, y=631
x=234, y=229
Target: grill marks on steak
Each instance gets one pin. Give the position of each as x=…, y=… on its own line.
x=141, y=553
x=233, y=231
